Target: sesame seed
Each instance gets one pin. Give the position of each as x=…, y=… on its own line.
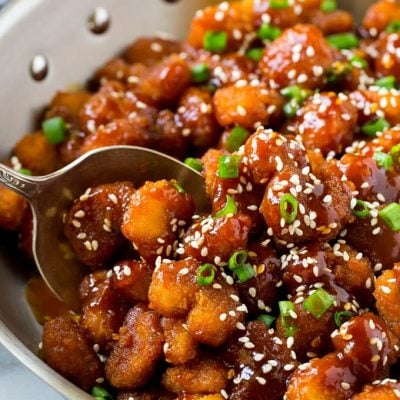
x=183, y=271
x=385, y=289
x=113, y=198
x=222, y=317
x=345, y=385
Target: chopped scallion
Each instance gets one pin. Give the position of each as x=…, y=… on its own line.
x=245, y=272
x=361, y=209
x=100, y=393
x=343, y=41
x=206, y=275
x=236, y=138
x=25, y=171
x=371, y=128
x=341, y=317
x=269, y=32
x=255, y=54
x=388, y=82
x=266, y=319
x=328, y=6
x=230, y=208
x=54, y=129
x=383, y=160
x=228, y=167
x=393, y=27
x=200, y=73
x=216, y=41
x=358, y=62
x=391, y=216
x=237, y=259
x=318, y=303
x=286, y=309
x=194, y=163
x=288, y=207
x=279, y=3
x=179, y=188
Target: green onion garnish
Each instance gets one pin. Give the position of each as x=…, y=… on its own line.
x=236, y=138
x=388, y=82
x=290, y=109
x=25, y=171
x=245, y=272
x=391, y=216
x=395, y=153
x=206, y=275
x=341, y=317
x=286, y=309
x=230, y=208
x=216, y=41
x=297, y=95
x=237, y=259
x=358, y=62
x=179, y=188
x=288, y=207
x=194, y=163
x=200, y=73
x=371, y=128
x=393, y=27
x=383, y=160
x=279, y=3
x=361, y=209
x=338, y=71
x=255, y=54
x=266, y=319
x=100, y=393
x=343, y=41
x=269, y=32
x=328, y=6
x=318, y=303
x=228, y=167
x=54, y=129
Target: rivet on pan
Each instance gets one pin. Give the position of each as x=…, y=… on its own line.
x=39, y=67
x=99, y=20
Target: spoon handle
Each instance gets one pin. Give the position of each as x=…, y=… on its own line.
x=22, y=184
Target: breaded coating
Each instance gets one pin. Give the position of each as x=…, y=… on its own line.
x=134, y=357
x=200, y=397
x=173, y=287
x=149, y=392
x=330, y=23
x=389, y=389
x=155, y=216
x=92, y=225
x=388, y=60
x=380, y=14
x=180, y=346
x=67, y=350
x=12, y=209
x=200, y=376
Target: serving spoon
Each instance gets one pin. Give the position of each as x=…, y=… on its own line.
x=51, y=195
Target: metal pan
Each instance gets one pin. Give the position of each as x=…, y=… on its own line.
x=57, y=32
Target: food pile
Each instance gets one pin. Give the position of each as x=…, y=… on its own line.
x=290, y=287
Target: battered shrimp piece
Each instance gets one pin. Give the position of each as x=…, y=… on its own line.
x=180, y=347
x=155, y=216
x=233, y=18
x=266, y=152
x=247, y=105
x=35, y=153
x=388, y=60
x=380, y=14
x=196, y=114
x=200, y=376
x=92, y=225
x=262, y=363
x=12, y=209
x=287, y=60
x=173, y=287
x=150, y=50
x=332, y=22
x=388, y=389
x=215, y=314
x=134, y=357
x=67, y=350
x=386, y=294
x=326, y=122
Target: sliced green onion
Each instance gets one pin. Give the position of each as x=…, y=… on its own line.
x=288, y=207
x=286, y=309
x=371, y=128
x=245, y=272
x=391, y=216
x=361, y=209
x=383, y=160
x=54, y=129
x=341, y=317
x=194, y=163
x=269, y=32
x=206, y=275
x=236, y=138
x=395, y=153
x=358, y=62
x=343, y=41
x=100, y=393
x=179, y=188
x=200, y=73
x=266, y=319
x=328, y=6
x=295, y=92
x=388, y=82
x=25, y=171
x=338, y=71
x=290, y=109
x=229, y=209
x=228, y=166
x=318, y=303
x=237, y=259
x=279, y=3
x=255, y=54
x=216, y=41
x=393, y=27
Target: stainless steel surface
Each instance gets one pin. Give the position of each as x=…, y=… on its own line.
x=58, y=30
x=51, y=195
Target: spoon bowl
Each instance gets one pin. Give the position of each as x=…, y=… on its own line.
x=50, y=197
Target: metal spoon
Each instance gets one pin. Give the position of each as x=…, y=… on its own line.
x=51, y=195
